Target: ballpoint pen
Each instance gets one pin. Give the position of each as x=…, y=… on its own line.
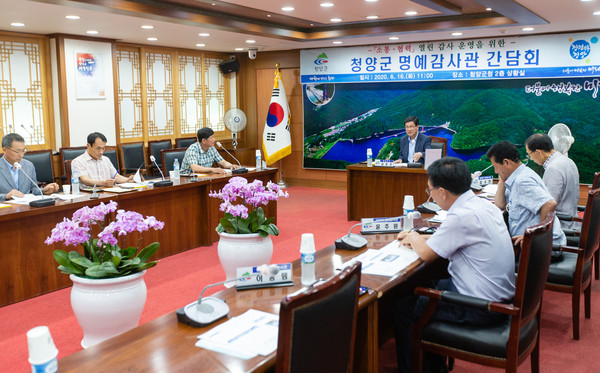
x=115, y=175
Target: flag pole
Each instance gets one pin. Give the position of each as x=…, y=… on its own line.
x=282, y=184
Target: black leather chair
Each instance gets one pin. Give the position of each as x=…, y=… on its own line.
x=440, y=143
x=68, y=154
x=168, y=158
x=317, y=328
x=506, y=344
x=132, y=157
x=573, y=274
x=112, y=155
x=155, y=147
x=44, y=167
x=184, y=142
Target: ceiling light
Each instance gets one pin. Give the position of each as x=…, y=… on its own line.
x=239, y=49
x=152, y=39
x=596, y=13
x=288, y=8
x=336, y=20
x=250, y=41
x=18, y=24
x=92, y=32
x=268, y=15
x=204, y=34
x=411, y=13
x=337, y=42
x=585, y=1
x=528, y=29
x=73, y=17
x=326, y=5
x=147, y=27
x=457, y=34
x=371, y=1
x=372, y=17
x=201, y=45
x=394, y=38
x=488, y=9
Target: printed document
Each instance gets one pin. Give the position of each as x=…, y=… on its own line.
x=387, y=261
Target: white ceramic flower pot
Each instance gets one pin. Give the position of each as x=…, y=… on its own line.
x=107, y=307
x=243, y=250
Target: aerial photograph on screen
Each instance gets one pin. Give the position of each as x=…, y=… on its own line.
x=341, y=121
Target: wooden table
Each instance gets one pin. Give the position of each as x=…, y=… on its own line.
x=27, y=268
x=164, y=345
x=375, y=192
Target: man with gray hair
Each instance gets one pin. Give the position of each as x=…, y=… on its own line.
x=12, y=181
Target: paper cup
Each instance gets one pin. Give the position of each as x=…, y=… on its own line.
x=172, y=174
x=307, y=244
x=42, y=351
x=409, y=204
x=67, y=189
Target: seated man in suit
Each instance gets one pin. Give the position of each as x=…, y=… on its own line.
x=94, y=168
x=560, y=175
x=522, y=193
x=474, y=239
x=13, y=182
x=201, y=155
x=413, y=145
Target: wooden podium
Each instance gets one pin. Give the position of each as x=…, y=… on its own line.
x=378, y=192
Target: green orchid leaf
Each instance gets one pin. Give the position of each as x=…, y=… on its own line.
x=116, y=260
x=106, y=269
x=79, y=259
x=148, y=251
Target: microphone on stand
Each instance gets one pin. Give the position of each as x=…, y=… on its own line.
x=163, y=183
x=210, y=309
x=44, y=202
x=353, y=241
x=241, y=170
x=475, y=184
x=54, y=151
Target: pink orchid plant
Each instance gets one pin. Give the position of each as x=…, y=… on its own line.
x=102, y=257
x=248, y=215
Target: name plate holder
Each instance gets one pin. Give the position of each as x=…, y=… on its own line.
x=252, y=278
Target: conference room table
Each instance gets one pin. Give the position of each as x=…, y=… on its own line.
x=378, y=192
x=28, y=269
x=165, y=345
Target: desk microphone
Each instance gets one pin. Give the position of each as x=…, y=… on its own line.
x=351, y=241
x=45, y=139
x=210, y=309
x=241, y=170
x=44, y=202
x=163, y=183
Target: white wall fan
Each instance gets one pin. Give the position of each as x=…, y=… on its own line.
x=561, y=138
x=235, y=121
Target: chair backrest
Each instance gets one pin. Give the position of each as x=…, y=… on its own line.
x=596, y=181
x=590, y=228
x=132, y=157
x=70, y=153
x=156, y=146
x=112, y=155
x=533, y=269
x=168, y=157
x=42, y=161
x=439, y=143
x=317, y=327
x=184, y=142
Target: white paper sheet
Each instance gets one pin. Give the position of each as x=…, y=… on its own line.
x=25, y=199
x=67, y=197
x=387, y=261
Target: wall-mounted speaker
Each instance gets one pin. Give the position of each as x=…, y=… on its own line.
x=230, y=66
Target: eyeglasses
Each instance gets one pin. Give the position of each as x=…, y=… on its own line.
x=428, y=191
x=529, y=154
x=410, y=127
x=20, y=151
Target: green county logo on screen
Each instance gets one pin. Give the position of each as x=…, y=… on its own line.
x=320, y=63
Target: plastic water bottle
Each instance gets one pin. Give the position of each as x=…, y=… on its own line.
x=176, y=168
x=369, y=157
x=307, y=259
x=74, y=183
x=409, y=208
x=258, y=160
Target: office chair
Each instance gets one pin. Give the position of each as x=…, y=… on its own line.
x=168, y=158
x=505, y=344
x=184, y=142
x=155, y=147
x=112, y=155
x=132, y=157
x=68, y=154
x=44, y=167
x=317, y=327
x=440, y=143
x=573, y=274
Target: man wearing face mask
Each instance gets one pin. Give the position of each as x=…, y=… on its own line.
x=12, y=181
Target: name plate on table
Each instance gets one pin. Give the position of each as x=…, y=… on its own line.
x=383, y=163
x=485, y=180
x=381, y=225
x=252, y=278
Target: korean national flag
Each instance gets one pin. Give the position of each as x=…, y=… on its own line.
x=277, y=142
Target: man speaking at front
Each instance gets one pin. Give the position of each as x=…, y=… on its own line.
x=476, y=242
x=413, y=145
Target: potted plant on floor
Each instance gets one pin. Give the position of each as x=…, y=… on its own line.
x=245, y=232
x=109, y=292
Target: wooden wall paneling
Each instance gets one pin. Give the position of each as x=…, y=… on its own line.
x=62, y=91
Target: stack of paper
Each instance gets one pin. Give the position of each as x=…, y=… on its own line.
x=245, y=336
x=388, y=260
x=25, y=199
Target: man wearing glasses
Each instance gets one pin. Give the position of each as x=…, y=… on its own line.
x=12, y=181
x=474, y=239
x=413, y=145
